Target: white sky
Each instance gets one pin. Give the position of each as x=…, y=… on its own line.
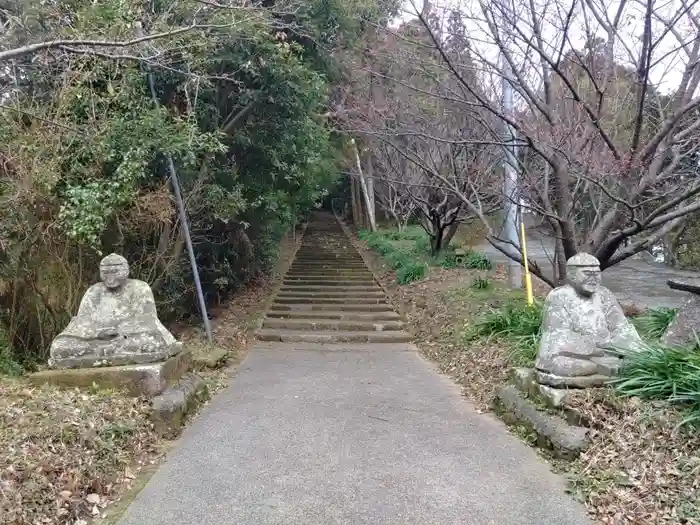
x=669, y=57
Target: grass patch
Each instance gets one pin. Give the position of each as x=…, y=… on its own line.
x=665, y=374
x=469, y=259
x=410, y=272
x=408, y=253
x=477, y=261
x=481, y=283
x=8, y=366
x=653, y=323
x=515, y=323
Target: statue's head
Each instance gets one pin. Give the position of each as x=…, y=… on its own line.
x=583, y=273
x=114, y=271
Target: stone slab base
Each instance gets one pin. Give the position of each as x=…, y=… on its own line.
x=208, y=357
x=566, y=441
x=138, y=380
x=170, y=408
x=592, y=381
x=525, y=380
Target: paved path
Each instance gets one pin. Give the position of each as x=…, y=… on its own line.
x=348, y=433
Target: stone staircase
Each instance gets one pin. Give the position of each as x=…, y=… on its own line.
x=329, y=295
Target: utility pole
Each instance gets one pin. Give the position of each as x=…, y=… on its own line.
x=175, y=183
x=510, y=182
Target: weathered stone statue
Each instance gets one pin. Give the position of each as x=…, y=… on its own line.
x=116, y=324
x=582, y=323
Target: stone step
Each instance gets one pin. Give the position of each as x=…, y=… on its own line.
x=320, y=283
x=348, y=294
x=329, y=276
x=338, y=265
x=316, y=255
x=319, y=286
x=339, y=315
x=332, y=325
x=331, y=300
x=331, y=269
x=292, y=336
x=326, y=260
x=320, y=307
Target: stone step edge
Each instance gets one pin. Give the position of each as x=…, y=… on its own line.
x=351, y=301
x=331, y=295
x=170, y=409
x=331, y=288
x=553, y=432
x=331, y=284
x=335, y=315
x=290, y=336
x=319, y=307
x=358, y=275
x=332, y=325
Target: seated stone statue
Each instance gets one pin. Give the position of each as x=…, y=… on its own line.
x=582, y=326
x=116, y=324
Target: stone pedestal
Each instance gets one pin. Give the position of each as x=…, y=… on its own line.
x=543, y=411
x=147, y=380
x=608, y=368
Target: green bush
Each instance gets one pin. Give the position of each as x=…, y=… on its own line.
x=8, y=365
x=398, y=259
x=481, y=283
x=422, y=244
x=657, y=372
x=471, y=260
x=654, y=323
x=413, y=271
x=447, y=260
x=516, y=323
x=364, y=235
x=477, y=261
x=404, y=251
x=409, y=234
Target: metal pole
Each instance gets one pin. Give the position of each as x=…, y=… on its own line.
x=510, y=182
x=185, y=227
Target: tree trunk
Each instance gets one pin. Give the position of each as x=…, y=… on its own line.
x=437, y=240
x=559, y=276
x=356, y=215
x=449, y=234
x=365, y=191
x=372, y=208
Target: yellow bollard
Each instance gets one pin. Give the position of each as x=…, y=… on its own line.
x=528, y=277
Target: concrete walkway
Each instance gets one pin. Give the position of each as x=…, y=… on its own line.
x=348, y=433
